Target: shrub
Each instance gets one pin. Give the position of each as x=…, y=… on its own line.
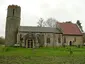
x=2, y=40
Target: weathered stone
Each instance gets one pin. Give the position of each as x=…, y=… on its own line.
x=12, y=24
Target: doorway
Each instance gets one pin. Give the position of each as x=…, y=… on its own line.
x=70, y=43
x=30, y=43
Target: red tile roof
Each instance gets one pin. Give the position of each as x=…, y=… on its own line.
x=70, y=28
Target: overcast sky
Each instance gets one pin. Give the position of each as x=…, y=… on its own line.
x=32, y=10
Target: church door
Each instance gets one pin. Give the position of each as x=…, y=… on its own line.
x=30, y=44
x=70, y=43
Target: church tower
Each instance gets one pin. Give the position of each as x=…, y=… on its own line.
x=12, y=24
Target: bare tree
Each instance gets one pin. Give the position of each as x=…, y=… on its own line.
x=50, y=22
x=40, y=22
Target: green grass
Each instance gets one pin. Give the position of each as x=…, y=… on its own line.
x=58, y=55
x=58, y=51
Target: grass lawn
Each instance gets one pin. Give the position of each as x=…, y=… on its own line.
x=59, y=55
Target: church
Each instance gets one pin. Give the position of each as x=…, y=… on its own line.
x=33, y=36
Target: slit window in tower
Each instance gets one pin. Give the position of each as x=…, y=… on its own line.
x=13, y=11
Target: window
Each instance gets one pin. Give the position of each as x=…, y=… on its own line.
x=48, y=40
x=21, y=38
x=13, y=11
x=59, y=39
x=75, y=39
x=64, y=39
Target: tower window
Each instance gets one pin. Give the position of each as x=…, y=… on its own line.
x=13, y=11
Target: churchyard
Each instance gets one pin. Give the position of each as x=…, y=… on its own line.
x=57, y=55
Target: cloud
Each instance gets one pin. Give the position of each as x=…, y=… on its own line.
x=32, y=10
x=2, y=2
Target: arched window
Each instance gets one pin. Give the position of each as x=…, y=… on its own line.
x=59, y=39
x=21, y=38
x=48, y=40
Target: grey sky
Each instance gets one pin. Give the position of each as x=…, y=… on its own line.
x=32, y=10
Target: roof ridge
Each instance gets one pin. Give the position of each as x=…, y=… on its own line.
x=36, y=27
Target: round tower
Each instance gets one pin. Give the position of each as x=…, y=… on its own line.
x=12, y=24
